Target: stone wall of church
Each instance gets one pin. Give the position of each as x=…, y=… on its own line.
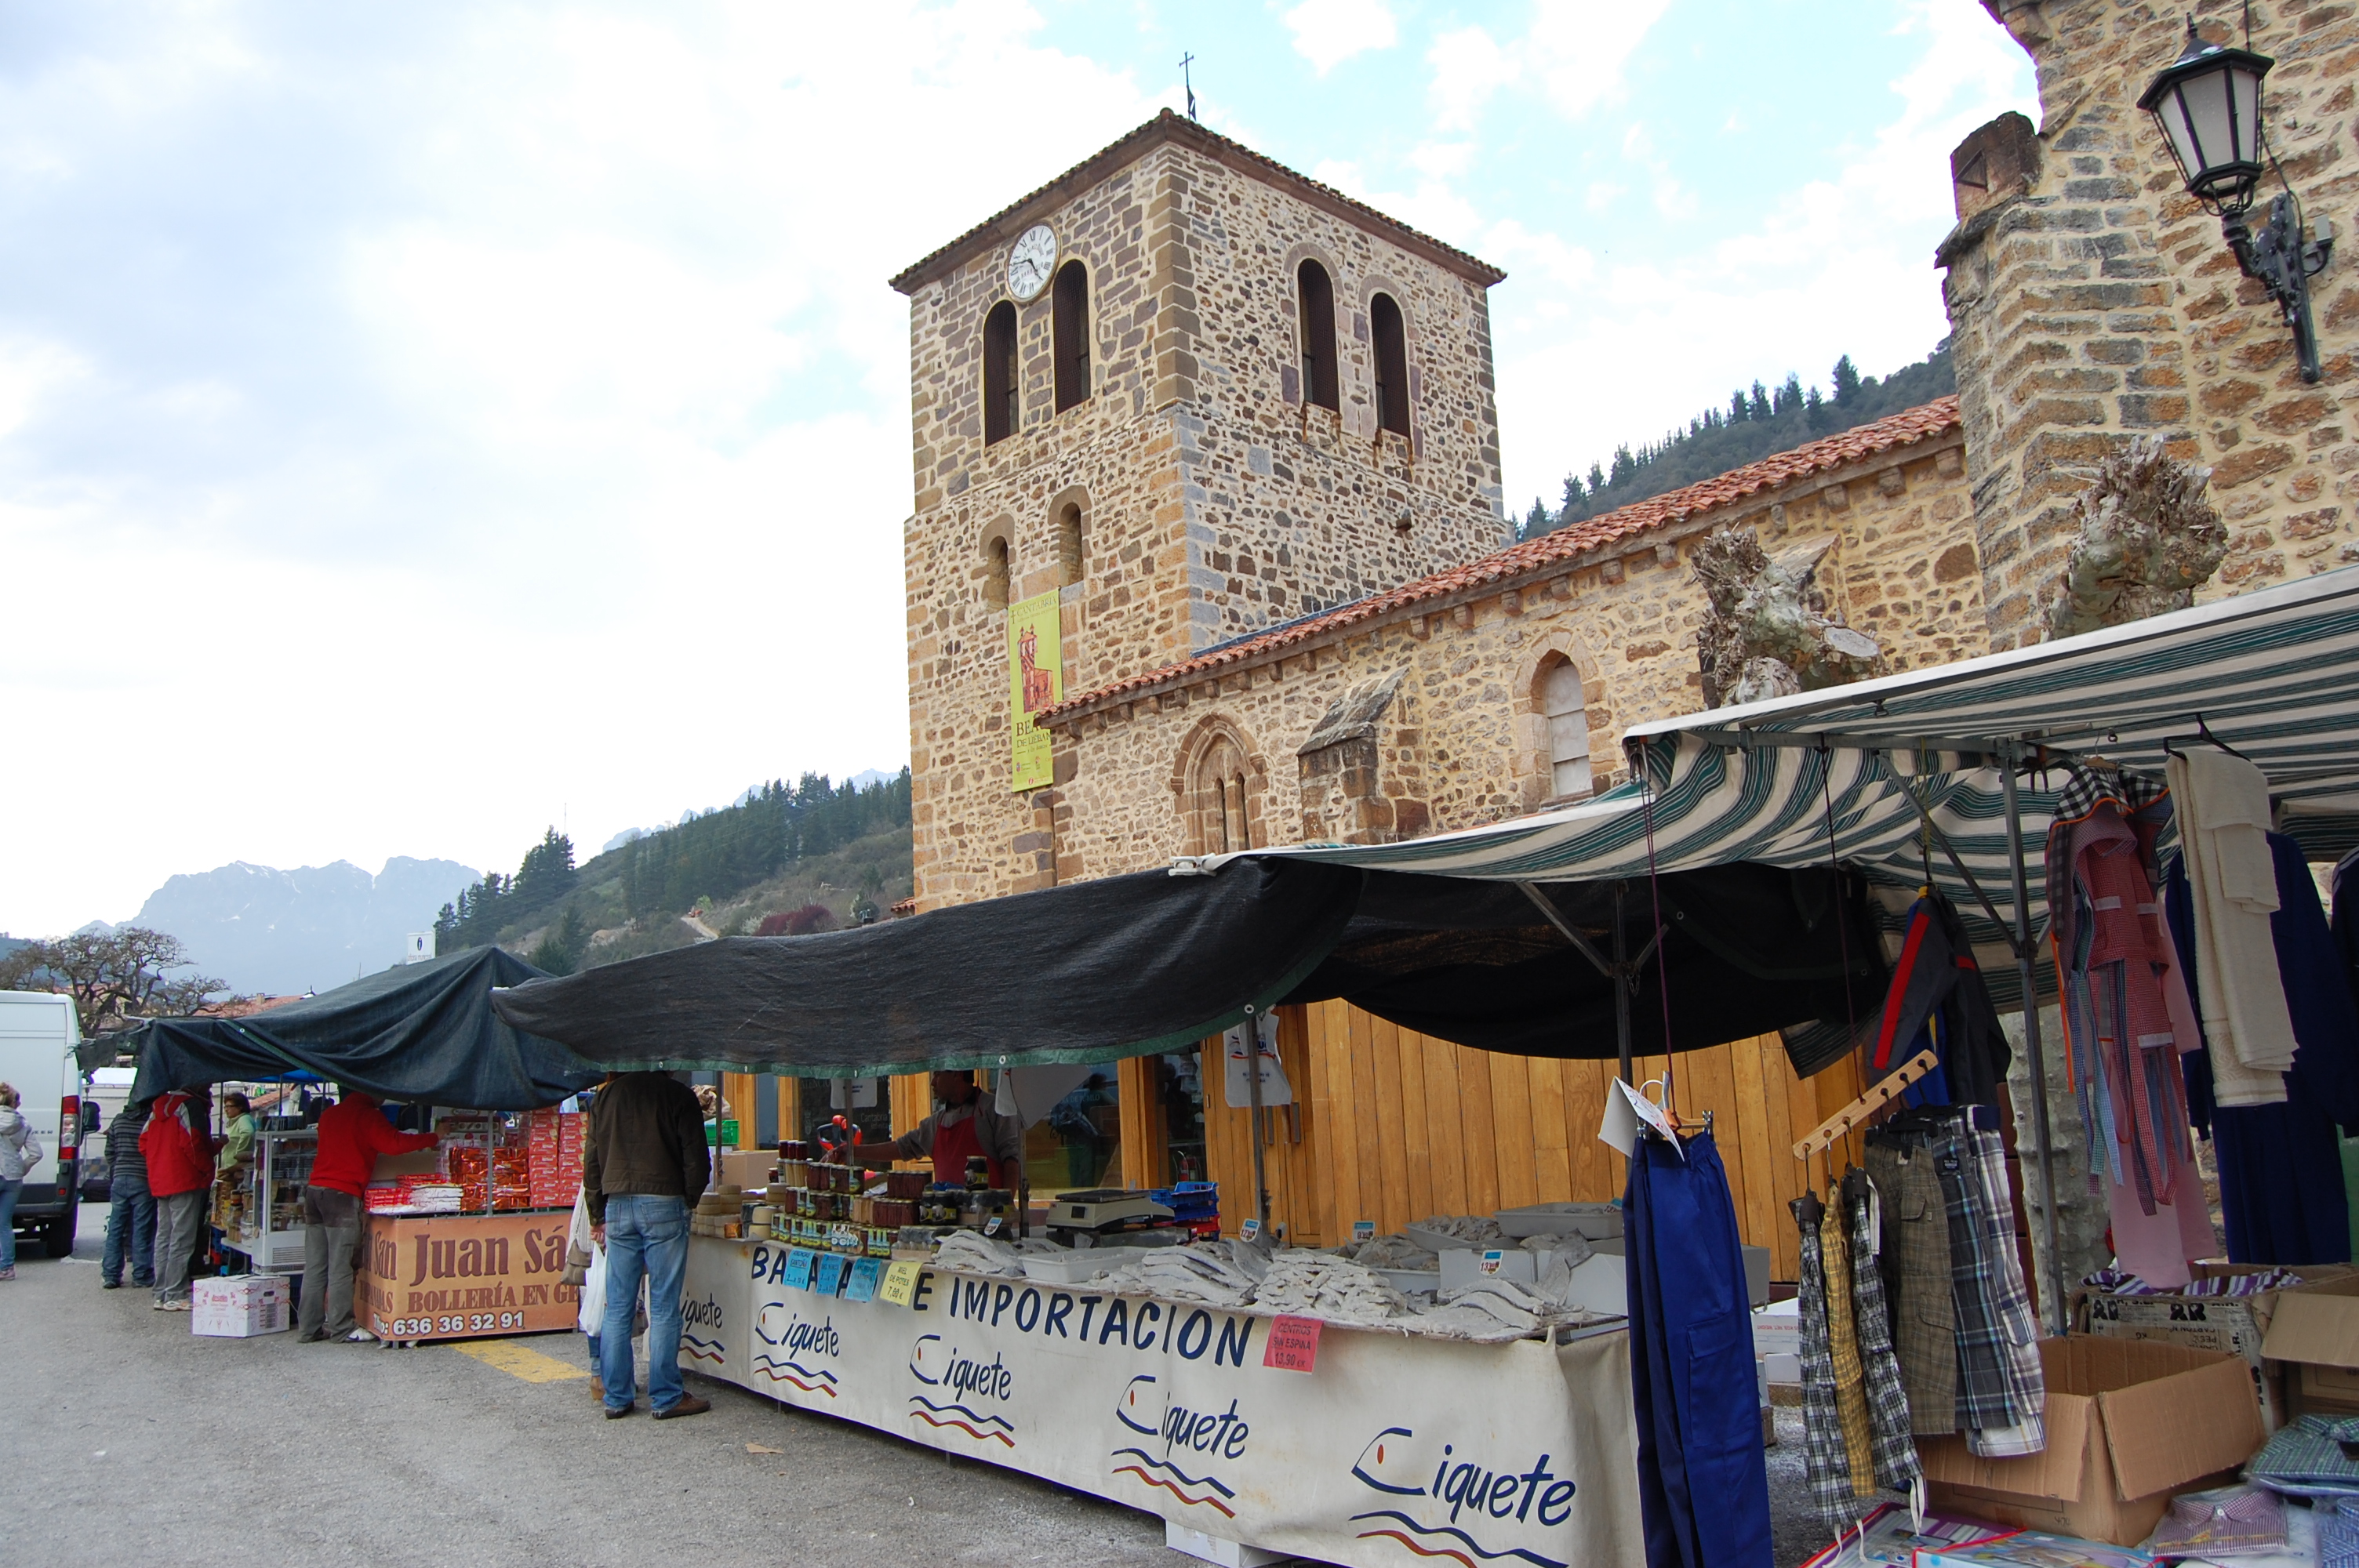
x=2094, y=301
x=1214, y=505
x=1462, y=741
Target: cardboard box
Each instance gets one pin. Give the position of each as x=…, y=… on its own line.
x=2315, y=1330
x=1778, y=1329
x=240, y=1307
x=747, y=1168
x=2228, y=1326
x=2129, y=1423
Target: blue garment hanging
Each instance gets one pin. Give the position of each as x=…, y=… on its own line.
x=1703, y=1483
x=2281, y=1195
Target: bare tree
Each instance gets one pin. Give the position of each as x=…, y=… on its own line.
x=114, y=976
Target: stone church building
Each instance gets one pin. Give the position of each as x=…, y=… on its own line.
x=1229, y=438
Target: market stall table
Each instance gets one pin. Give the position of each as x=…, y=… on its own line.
x=1522, y=1450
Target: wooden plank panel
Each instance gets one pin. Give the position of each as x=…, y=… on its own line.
x=1384, y=1050
x=1596, y=1178
x=1416, y=1145
x=1134, y=1102
x=1757, y=1202
x=1348, y=1029
x=1479, y=1146
x=1318, y=1129
x=1511, y=1131
x=1445, y=1147
x=790, y=1107
x=1552, y=1174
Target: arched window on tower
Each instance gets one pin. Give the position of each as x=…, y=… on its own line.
x=1001, y=404
x=1561, y=701
x=1222, y=821
x=1070, y=562
x=1072, y=308
x=1392, y=364
x=1316, y=295
x=995, y=570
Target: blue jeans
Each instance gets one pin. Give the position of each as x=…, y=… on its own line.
x=130, y=1230
x=8, y=1191
x=646, y=1236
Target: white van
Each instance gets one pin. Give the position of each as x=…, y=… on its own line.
x=38, y=1036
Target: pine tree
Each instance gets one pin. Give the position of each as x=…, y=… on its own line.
x=1536, y=521
x=1757, y=406
x=1847, y=377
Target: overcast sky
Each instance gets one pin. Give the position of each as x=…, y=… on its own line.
x=422, y=424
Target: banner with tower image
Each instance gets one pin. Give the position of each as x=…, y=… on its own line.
x=1035, y=671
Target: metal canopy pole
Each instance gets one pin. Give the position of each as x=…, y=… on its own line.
x=1253, y=1097
x=2052, y=1294
x=1622, y=971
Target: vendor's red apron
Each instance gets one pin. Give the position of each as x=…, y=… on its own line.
x=953, y=1143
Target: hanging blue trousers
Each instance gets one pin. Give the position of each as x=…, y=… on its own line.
x=1703, y=1483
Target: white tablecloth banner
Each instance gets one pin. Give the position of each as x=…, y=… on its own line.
x=1395, y=1450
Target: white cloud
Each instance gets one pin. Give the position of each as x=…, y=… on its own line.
x=1575, y=52
x=501, y=411
x=1329, y=32
x=1469, y=65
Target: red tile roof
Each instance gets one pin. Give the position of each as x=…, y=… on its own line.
x=1551, y=550
x=1166, y=126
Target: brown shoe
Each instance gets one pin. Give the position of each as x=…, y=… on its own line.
x=597, y=1389
x=689, y=1405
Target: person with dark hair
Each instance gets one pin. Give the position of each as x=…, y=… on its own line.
x=965, y=1126
x=131, y=1207
x=643, y=1163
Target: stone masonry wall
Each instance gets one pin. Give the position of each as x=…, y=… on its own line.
x=2097, y=302
x=1214, y=507
x=1462, y=742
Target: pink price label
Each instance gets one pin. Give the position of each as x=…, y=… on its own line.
x=1293, y=1344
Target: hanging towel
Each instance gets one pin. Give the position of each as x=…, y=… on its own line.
x=2222, y=804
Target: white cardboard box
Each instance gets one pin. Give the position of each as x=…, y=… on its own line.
x=240, y=1307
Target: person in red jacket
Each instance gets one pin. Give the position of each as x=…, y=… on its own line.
x=352, y=1133
x=178, y=1146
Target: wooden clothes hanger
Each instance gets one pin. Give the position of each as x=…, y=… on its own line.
x=1883, y=1092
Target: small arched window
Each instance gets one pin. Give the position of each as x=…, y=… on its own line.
x=1068, y=543
x=1568, y=729
x=1392, y=364
x=1000, y=405
x=996, y=569
x=1072, y=308
x=1316, y=295
x=1222, y=822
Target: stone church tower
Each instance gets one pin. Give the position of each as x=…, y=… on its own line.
x=1196, y=396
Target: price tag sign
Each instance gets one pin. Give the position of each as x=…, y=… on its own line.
x=799, y=1269
x=1250, y=1230
x=865, y=1274
x=830, y=1274
x=1364, y=1230
x=990, y=1226
x=1492, y=1259
x=1293, y=1344
x=900, y=1281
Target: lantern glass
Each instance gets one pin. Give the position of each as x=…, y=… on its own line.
x=2207, y=105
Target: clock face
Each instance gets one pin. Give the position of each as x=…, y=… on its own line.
x=1029, y=263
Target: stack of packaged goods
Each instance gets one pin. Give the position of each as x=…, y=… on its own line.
x=1194, y=1205
x=552, y=1158
x=830, y=1207
x=383, y=1195
x=511, y=1182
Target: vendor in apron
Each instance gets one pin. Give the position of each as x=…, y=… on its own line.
x=964, y=1124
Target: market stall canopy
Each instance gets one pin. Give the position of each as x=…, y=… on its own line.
x=1130, y=965
x=1803, y=781
x=421, y=1033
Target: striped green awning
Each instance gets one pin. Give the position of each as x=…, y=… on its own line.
x=1798, y=781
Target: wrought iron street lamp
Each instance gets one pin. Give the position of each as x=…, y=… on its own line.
x=2207, y=105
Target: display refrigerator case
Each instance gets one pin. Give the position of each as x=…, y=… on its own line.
x=266, y=1223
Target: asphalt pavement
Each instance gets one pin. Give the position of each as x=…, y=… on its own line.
x=128, y=1440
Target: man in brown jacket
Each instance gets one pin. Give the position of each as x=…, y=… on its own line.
x=645, y=1164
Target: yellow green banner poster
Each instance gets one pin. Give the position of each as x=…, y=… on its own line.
x=1036, y=680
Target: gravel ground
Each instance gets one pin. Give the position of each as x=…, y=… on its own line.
x=130, y=1440
x=1795, y=1530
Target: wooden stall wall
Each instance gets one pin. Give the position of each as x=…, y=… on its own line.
x=1393, y=1126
